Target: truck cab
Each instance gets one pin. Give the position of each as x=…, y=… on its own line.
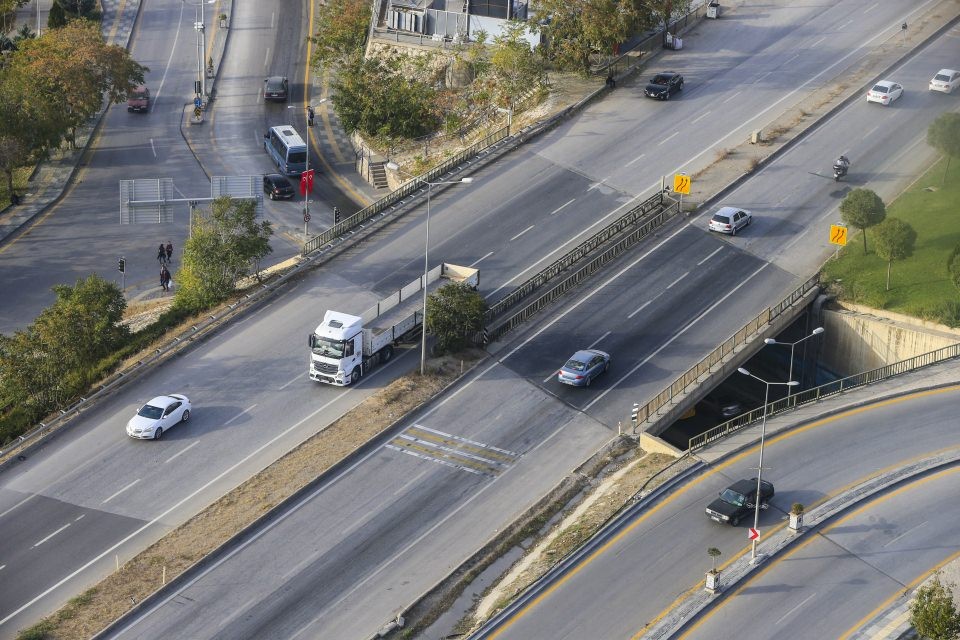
x=739, y=500
x=336, y=349
x=139, y=99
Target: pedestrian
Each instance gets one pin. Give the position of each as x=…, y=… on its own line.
x=169, y=251
x=611, y=82
x=164, y=278
x=161, y=254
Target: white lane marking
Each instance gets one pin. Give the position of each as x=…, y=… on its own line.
x=482, y=445
x=121, y=491
x=106, y=552
x=700, y=117
x=153, y=149
x=295, y=378
x=731, y=97
x=635, y=159
x=678, y=280
x=675, y=133
x=818, y=42
x=640, y=308
x=446, y=463
x=871, y=7
x=266, y=58
x=791, y=59
x=51, y=535
x=675, y=336
x=2, y=567
x=521, y=233
x=557, y=210
x=844, y=24
x=712, y=253
x=181, y=452
x=597, y=341
x=79, y=517
x=27, y=499
x=787, y=614
x=244, y=412
x=451, y=450
x=905, y=533
x=867, y=135
x=762, y=76
x=481, y=259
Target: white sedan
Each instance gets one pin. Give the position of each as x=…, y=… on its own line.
x=884, y=92
x=946, y=81
x=159, y=415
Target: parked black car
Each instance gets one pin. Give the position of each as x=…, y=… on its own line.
x=277, y=186
x=663, y=85
x=739, y=500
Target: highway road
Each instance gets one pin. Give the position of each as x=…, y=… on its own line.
x=661, y=555
x=81, y=233
x=130, y=492
x=869, y=556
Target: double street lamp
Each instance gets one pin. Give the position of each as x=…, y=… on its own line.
x=306, y=189
x=201, y=46
x=393, y=166
x=815, y=332
x=763, y=434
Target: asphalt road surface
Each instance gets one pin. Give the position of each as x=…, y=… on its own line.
x=661, y=555
x=867, y=557
x=253, y=401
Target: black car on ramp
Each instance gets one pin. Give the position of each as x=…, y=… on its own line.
x=739, y=500
x=663, y=85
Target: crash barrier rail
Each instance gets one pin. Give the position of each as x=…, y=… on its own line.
x=613, y=251
x=693, y=374
x=575, y=255
x=405, y=190
x=829, y=389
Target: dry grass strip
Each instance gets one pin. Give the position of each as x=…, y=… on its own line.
x=92, y=611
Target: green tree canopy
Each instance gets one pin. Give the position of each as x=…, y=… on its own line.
x=578, y=29
x=226, y=244
x=454, y=311
x=382, y=98
x=933, y=613
x=944, y=135
x=862, y=209
x=341, y=30
x=514, y=67
x=893, y=239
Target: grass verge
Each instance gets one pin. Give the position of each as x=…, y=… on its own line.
x=93, y=610
x=920, y=285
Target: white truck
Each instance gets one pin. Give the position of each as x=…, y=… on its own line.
x=344, y=347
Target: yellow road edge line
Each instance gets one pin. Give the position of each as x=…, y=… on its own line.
x=680, y=491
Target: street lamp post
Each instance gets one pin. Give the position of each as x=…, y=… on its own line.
x=306, y=192
x=393, y=166
x=815, y=332
x=763, y=435
x=201, y=44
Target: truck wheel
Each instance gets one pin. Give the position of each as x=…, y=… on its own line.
x=354, y=375
x=386, y=354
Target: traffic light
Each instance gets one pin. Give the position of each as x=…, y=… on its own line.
x=121, y=265
x=336, y=215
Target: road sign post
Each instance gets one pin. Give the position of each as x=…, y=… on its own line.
x=753, y=534
x=681, y=185
x=838, y=236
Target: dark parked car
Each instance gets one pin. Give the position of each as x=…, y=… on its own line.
x=277, y=186
x=739, y=500
x=276, y=88
x=663, y=85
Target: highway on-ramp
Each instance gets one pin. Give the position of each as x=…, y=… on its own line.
x=97, y=494
x=661, y=556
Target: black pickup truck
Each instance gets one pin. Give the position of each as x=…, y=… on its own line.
x=738, y=500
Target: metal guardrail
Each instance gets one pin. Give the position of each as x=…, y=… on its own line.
x=691, y=375
x=589, y=269
x=574, y=255
x=823, y=391
x=393, y=197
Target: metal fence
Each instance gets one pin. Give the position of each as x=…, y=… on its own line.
x=575, y=255
x=823, y=391
x=587, y=270
x=405, y=190
x=693, y=374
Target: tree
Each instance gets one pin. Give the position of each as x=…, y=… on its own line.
x=226, y=243
x=383, y=98
x=341, y=30
x=56, y=18
x=576, y=30
x=893, y=240
x=953, y=266
x=933, y=613
x=944, y=135
x=862, y=209
x=514, y=67
x=454, y=311
x=714, y=553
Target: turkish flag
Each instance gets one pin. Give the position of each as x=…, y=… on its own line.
x=306, y=182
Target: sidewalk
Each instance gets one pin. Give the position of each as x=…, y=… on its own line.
x=892, y=623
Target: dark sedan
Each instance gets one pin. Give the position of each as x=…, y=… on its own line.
x=663, y=85
x=277, y=186
x=276, y=88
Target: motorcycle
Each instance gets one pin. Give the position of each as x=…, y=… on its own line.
x=839, y=170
